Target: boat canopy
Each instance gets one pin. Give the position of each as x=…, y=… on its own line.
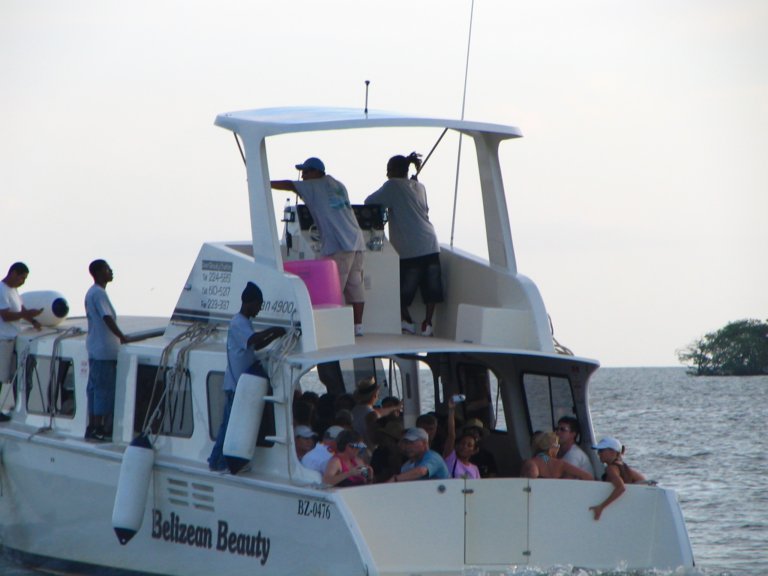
x=254, y=126
x=272, y=121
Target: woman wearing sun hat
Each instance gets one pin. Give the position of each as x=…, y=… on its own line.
x=610, y=452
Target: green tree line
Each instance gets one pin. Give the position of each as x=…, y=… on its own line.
x=738, y=349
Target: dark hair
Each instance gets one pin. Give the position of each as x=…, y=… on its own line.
x=390, y=401
x=398, y=165
x=251, y=293
x=18, y=268
x=97, y=266
x=427, y=419
x=572, y=423
x=345, y=438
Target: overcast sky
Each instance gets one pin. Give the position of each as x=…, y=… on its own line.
x=638, y=196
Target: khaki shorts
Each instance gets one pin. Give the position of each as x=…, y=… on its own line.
x=350, y=265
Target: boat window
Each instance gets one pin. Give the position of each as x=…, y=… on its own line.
x=548, y=398
x=42, y=398
x=480, y=385
x=216, y=402
x=163, y=402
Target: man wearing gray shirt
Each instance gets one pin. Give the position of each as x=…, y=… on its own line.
x=414, y=238
x=103, y=344
x=340, y=236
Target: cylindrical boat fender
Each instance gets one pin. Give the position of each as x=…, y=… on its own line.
x=132, y=488
x=244, y=421
x=55, y=306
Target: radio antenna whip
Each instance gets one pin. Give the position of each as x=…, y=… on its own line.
x=463, y=103
x=367, y=82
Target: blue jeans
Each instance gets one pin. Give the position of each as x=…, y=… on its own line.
x=216, y=460
x=101, y=387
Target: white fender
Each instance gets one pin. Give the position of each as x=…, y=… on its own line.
x=244, y=421
x=54, y=305
x=132, y=488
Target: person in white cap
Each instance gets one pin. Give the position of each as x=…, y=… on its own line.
x=318, y=457
x=305, y=440
x=422, y=463
x=610, y=452
x=340, y=236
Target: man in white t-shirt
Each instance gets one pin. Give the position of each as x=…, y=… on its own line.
x=12, y=312
x=568, y=431
x=318, y=457
x=12, y=309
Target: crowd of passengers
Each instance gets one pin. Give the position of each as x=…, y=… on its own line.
x=355, y=439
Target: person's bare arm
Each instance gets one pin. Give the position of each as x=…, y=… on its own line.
x=612, y=473
x=286, y=185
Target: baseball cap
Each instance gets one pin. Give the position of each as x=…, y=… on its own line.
x=414, y=434
x=608, y=442
x=311, y=164
x=333, y=432
x=304, y=432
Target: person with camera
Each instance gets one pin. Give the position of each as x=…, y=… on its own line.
x=346, y=468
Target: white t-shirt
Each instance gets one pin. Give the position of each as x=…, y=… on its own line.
x=578, y=458
x=9, y=300
x=317, y=458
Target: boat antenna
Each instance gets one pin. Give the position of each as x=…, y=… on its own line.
x=463, y=104
x=367, y=83
x=242, y=155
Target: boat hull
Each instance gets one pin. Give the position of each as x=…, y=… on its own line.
x=197, y=522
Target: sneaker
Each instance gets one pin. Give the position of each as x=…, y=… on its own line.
x=4, y=417
x=358, y=329
x=408, y=327
x=97, y=434
x=426, y=329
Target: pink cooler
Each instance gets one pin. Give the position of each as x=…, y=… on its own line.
x=322, y=279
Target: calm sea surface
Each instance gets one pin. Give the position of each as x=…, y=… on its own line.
x=701, y=436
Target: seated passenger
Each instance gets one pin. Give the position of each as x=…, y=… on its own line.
x=483, y=458
x=305, y=439
x=318, y=457
x=345, y=468
x=458, y=461
x=364, y=414
x=568, y=431
x=545, y=463
x=428, y=423
x=422, y=463
x=387, y=459
x=610, y=450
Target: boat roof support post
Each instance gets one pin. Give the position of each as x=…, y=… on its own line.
x=266, y=246
x=497, y=227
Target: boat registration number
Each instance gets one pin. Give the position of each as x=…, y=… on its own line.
x=314, y=509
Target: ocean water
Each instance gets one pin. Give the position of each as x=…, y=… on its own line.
x=702, y=437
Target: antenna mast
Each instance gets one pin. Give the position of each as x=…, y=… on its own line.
x=463, y=103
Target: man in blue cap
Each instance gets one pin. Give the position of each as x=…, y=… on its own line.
x=242, y=343
x=340, y=234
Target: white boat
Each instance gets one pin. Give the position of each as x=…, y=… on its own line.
x=59, y=500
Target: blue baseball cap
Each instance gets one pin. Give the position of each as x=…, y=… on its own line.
x=311, y=164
